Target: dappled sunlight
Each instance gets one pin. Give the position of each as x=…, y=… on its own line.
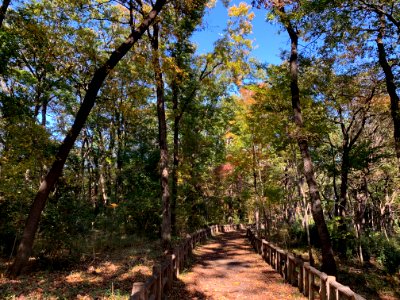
x=227, y=268
x=112, y=272
x=75, y=278
x=137, y=273
x=108, y=269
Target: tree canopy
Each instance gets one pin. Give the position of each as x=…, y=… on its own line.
x=112, y=121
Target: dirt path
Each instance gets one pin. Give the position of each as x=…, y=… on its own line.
x=227, y=268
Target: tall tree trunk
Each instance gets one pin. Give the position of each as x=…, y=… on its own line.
x=255, y=182
x=118, y=173
x=103, y=185
x=174, y=187
x=304, y=206
x=47, y=185
x=390, y=86
x=258, y=201
x=162, y=139
x=344, y=176
x=3, y=11
x=102, y=169
x=359, y=216
x=44, y=113
x=307, y=226
x=341, y=207
x=84, y=151
x=328, y=260
x=179, y=106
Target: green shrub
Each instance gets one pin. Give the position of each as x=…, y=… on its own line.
x=390, y=257
x=298, y=235
x=366, y=248
x=342, y=237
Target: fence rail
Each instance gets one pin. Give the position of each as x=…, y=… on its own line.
x=310, y=281
x=160, y=282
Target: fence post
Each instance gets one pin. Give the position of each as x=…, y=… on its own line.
x=323, y=288
x=311, y=285
x=300, y=275
x=264, y=248
x=170, y=271
x=191, y=242
x=269, y=260
x=306, y=269
x=158, y=278
x=278, y=262
x=175, y=271
x=286, y=267
x=293, y=278
x=332, y=292
x=137, y=291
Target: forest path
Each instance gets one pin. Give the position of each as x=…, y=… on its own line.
x=227, y=268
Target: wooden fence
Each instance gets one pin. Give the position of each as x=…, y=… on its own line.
x=160, y=282
x=313, y=283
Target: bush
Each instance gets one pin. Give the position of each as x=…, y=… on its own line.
x=65, y=220
x=390, y=257
x=342, y=237
x=366, y=246
x=297, y=234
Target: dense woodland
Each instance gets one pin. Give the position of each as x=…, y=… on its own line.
x=114, y=127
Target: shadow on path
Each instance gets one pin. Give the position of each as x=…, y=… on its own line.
x=227, y=268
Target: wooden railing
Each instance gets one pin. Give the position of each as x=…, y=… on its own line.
x=310, y=281
x=160, y=282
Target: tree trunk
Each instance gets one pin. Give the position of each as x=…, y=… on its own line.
x=255, y=185
x=97, y=203
x=178, y=113
x=390, y=86
x=162, y=140
x=328, y=260
x=341, y=207
x=44, y=113
x=305, y=205
x=174, y=188
x=344, y=176
x=3, y=11
x=102, y=169
x=103, y=185
x=342, y=203
x=118, y=172
x=359, y=216
x=47, y=185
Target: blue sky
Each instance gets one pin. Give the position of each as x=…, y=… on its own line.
x=267, y=43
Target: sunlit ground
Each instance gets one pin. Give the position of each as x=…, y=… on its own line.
x=108, y=276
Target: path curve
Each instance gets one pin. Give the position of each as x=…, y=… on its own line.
x=227, y=268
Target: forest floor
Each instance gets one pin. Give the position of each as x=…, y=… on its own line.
x=108, y=274
x=227, y=268
x=369, y=280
